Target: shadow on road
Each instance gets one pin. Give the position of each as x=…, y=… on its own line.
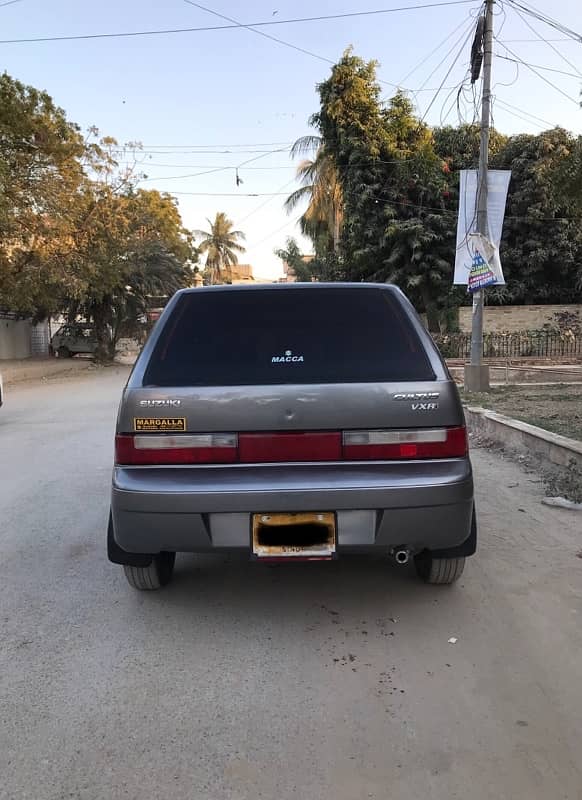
x=364, y=588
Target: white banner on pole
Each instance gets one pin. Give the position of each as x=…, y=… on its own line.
x=468, y=255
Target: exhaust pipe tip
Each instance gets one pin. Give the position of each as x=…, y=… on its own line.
x=401, y=556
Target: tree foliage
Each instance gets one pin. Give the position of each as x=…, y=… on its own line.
x=320, y=186
x=75, y=234
x=132, y=250
x=397, y=225
x=221, y=244
x=542, y=234
x=399, y=182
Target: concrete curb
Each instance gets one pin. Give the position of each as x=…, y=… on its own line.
x=521, y=436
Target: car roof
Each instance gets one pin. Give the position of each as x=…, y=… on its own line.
x=282, y=287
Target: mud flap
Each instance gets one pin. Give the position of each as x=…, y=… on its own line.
x=466, y=548
x=118, y=556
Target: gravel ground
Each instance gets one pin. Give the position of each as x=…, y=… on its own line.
x=326, y=681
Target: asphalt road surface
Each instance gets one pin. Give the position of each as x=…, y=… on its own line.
x=241, y=681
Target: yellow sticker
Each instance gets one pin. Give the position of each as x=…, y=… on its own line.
x=159, y=424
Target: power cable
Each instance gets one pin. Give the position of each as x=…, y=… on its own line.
x=235, y=167
x=231, y=194
x=526, y=113
x=443, y=211
x=432, y=52
x=204, y=146
x=509, y=110
x=542, y=77
x=10, y=3
x=536, y=41
x=450, y=69
x=240, y=24
x=543, y=39
x=511, y=83
x=266, y=202
x=449, y=52
x=259, y=24
x=541, y=17
x=192, y=175
x=270, y=37
x=273, y=233
x=202, y=152
x=539, y=66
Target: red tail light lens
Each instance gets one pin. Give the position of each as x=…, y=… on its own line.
x=397, y=445
x=152, y=449
x=264, y=448
x=261, y=448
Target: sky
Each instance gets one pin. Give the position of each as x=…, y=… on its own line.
x=202, y=101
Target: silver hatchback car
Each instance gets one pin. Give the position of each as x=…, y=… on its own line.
x=291, y=422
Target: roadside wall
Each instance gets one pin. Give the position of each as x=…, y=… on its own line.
x=501, y=319
x=523, y=438
x=15, y=338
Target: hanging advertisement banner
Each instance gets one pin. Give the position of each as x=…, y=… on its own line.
x=472, y=248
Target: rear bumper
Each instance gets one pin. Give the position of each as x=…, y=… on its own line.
x=204, y=509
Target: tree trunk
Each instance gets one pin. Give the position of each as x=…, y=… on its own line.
x=432, y=313
x=105, y=351
x=336, y=229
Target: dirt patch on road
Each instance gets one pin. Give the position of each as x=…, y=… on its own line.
x=557, y=408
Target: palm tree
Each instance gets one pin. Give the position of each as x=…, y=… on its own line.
x=221, y=245
x=321, y=187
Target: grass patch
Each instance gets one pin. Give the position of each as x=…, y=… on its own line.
x=556, y=408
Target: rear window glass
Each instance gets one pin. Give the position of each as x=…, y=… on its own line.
x=283, y=336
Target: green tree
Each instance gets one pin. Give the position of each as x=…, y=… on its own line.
x=292, y=255
x=541, y=247
x=221, y=244
x=42, y=159
x=398, y=224
x=320, y=186
x=459, y=147
x=129, y=247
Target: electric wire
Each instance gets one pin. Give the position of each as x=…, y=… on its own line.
x=543, y=39
x=542, y=77
x=450, y=69
x=259, y=24
x=541, y=17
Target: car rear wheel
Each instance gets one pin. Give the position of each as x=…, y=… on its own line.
x=157, y=574
x=64, y=352
x=438, y=570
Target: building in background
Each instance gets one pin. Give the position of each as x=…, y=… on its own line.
x=289, y=275
x=240, y=273
x=20, y=337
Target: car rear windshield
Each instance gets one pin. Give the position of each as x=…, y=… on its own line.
x=287, y=336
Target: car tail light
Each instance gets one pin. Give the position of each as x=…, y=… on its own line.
x=389, y=444
x=261, y=448
x=152, y=449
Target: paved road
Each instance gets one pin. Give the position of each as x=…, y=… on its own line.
x=241, y=681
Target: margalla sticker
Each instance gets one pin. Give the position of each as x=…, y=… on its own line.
x=288, y=358
x=159, y=424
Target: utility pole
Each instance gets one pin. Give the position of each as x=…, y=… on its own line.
x=477, y=373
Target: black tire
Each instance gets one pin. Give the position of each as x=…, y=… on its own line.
x=157, y=574
x=442, y=571
x=64, y=352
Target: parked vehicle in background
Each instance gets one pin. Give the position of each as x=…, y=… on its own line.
x=299, y=421
x=73, y=338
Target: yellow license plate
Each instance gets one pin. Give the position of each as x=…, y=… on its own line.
x=303, y=535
